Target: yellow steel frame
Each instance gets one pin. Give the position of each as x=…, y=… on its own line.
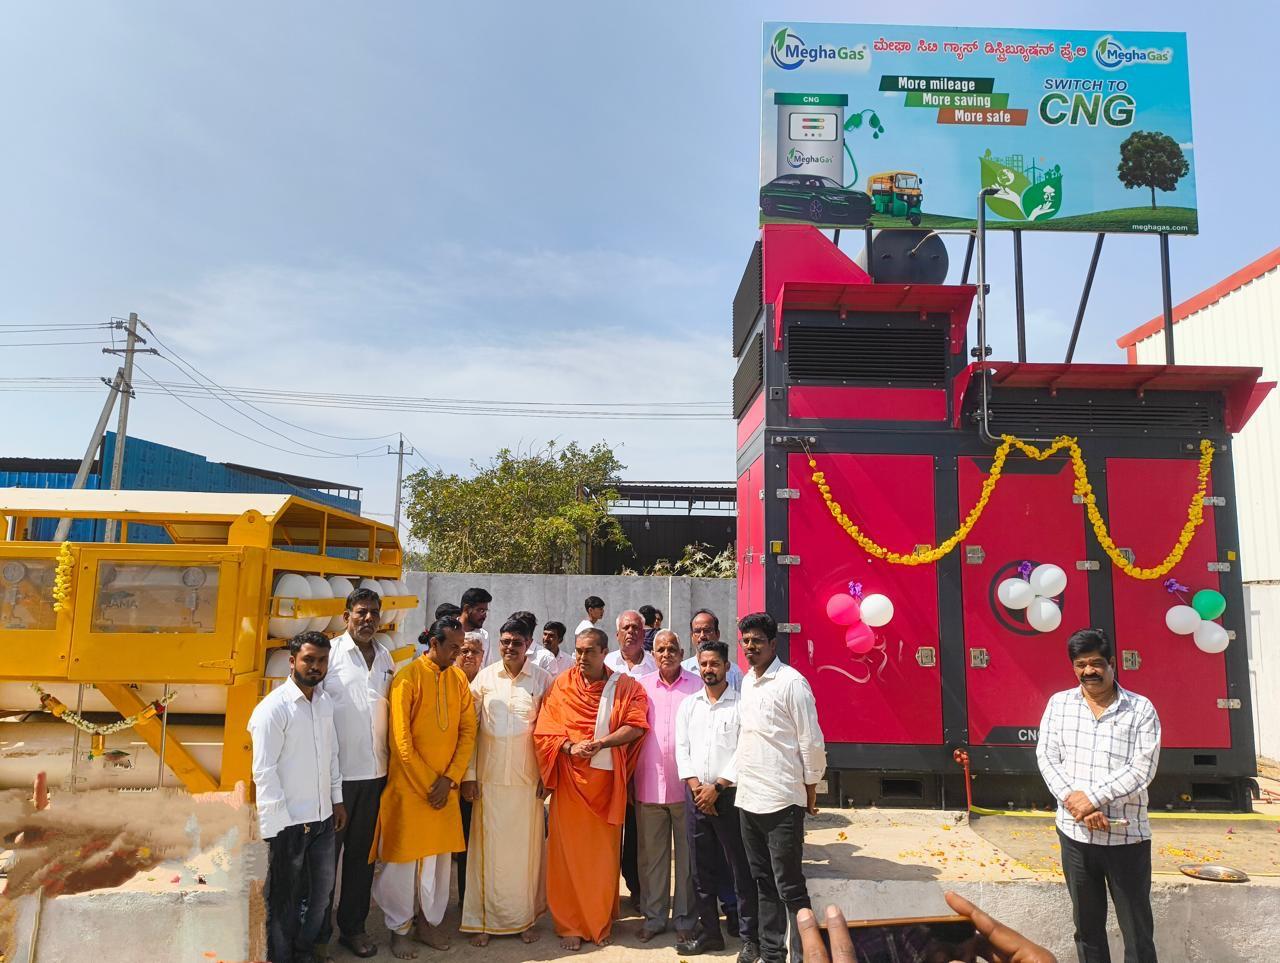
x=244, y=543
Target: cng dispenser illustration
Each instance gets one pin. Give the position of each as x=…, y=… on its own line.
x=809, y=164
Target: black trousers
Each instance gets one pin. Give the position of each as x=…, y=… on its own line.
x=302, y=862
x=631, y=853
x=1125, y=871
x=715, y=847
x=775, y=848
x=460, y=859
x=361, y=797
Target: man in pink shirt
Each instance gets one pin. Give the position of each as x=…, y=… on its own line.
x=660, y=797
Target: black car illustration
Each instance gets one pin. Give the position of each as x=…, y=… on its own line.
x=814, y=198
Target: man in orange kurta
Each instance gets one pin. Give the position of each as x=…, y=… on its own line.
x=432, y=731
x=588, y=739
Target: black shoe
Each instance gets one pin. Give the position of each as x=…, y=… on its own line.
x=749, y=953
x=701, y=944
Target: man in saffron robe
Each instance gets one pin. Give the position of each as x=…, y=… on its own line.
x=432, y=735
x=588, y=739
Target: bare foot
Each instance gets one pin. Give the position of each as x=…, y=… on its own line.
x=530, y=936
x=570, y=942
x=402, y=947
x=433, y=936
x=605, y=941
x=647, y=934
x=480, y=939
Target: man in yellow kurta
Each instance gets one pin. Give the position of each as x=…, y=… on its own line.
x=432, y=726
x=505, y=890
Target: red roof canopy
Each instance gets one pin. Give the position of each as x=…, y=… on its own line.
x=1241, y=387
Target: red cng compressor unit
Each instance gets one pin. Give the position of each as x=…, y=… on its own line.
x=872, y=381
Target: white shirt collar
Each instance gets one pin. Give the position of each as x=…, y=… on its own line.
x=293, y=692
x=730, y=694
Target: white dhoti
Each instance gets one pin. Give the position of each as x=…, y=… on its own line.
x=506, y=889
x=399, y=886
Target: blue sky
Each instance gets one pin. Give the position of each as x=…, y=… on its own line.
x=504, y=201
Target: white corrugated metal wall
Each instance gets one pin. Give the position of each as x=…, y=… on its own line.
x=1242, y=329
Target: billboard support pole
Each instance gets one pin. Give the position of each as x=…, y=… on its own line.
x=835, y=237
x=1168, y=298
x=1020, y=305
x=968, y=258
x=871, y=271
x=1084, y=296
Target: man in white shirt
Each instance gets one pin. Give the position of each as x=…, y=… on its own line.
x=705, y=627
x=360, y=672
x=706, y=742
x=505, y=890
x=475, y=609
x=549, y=654
x=1098, y=748
x=781, y=756
x=631, y=658
x=298, y=787
x=594, y=605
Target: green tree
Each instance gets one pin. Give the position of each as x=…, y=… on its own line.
x=519, y=513
x=1151, y=159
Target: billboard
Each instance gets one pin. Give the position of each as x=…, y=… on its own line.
x=898, y=126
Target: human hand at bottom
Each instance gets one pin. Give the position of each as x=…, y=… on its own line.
x=996, y=942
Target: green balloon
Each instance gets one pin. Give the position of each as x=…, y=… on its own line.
x=1209, y=604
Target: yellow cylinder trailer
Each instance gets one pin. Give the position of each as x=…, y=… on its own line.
x=159, y=652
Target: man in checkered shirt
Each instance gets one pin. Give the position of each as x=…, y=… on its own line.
x=1098, y=749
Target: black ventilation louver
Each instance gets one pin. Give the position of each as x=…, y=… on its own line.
x=891, y=356
x=749, y=300
x=749, y=377
x=1078, y=413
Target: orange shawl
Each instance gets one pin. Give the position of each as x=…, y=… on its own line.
x=569, y=712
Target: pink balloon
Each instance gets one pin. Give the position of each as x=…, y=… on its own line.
x=844, y=609
x=859, y=638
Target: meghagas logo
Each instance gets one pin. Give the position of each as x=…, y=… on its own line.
x=797, y=158
x=788, y=51
x=1111, y=54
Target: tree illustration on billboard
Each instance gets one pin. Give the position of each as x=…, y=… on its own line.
x=1152, y=159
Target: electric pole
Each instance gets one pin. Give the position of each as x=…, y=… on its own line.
x=400, y=451
x=122, y=424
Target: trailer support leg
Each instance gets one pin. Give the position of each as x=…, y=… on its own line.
x=127, y=702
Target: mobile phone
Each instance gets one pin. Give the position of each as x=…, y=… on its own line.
x=929, y=938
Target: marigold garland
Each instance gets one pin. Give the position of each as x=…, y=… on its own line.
x=62, y=579
x=59, y=710
x=1082, y=488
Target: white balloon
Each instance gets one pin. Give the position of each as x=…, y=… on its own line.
x=342, y=587
x=320, y=589
x=1182, y=619
x=877, y=610
x=1044, y=615
x=1015, y=593
x=289, y=586
x=1212, y=638
x=1048, y=580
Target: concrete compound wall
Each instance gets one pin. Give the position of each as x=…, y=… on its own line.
x=1195, y=922
x=560, y=597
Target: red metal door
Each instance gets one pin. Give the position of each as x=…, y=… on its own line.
x=1184, y=683
x=750, y=547
x=893, y=694
x=1011, y=669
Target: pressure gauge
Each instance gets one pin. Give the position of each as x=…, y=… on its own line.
x=193, y=577
x=13, y=572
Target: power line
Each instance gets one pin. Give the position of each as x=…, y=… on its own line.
x=184, y=361
x=210, y=418
x=634, y=411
